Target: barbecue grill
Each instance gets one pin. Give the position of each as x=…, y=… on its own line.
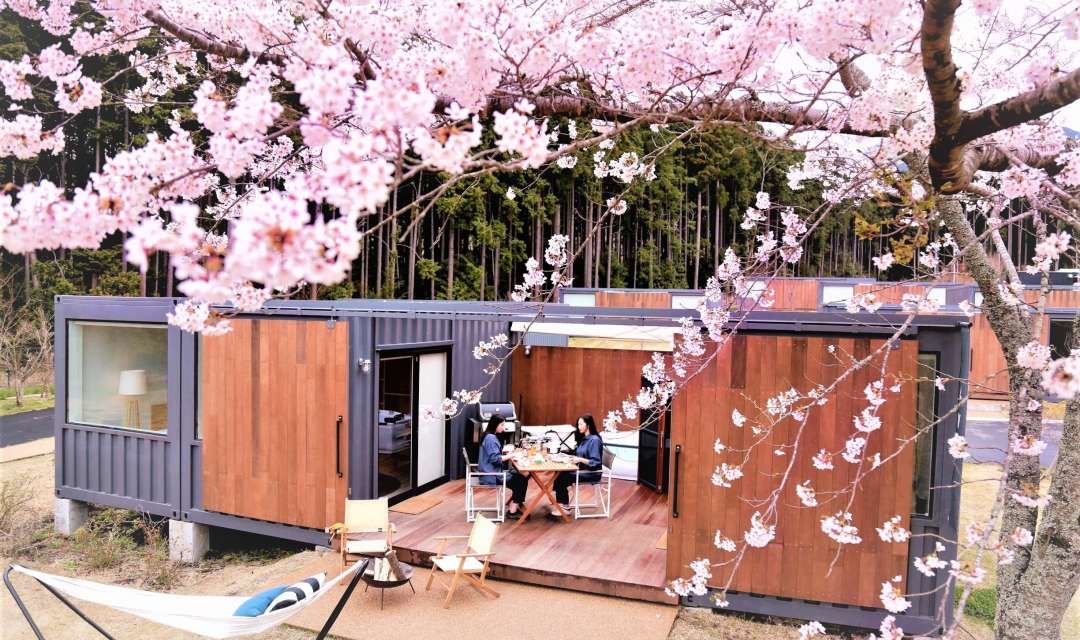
x=485, y=410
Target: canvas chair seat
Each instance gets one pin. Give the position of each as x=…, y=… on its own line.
x=449, y=564
x=479, y=547
x=362, y=547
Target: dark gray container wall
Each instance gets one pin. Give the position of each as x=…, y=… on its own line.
x=468, y=373
x=113, y=466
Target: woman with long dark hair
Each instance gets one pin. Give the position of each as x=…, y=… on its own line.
x=493, y=460
x=589, y=457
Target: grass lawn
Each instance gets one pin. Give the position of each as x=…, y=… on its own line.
x=32, y=400
x=976, y=501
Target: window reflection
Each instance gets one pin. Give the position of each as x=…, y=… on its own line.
x=117, y=375
x=925, y=421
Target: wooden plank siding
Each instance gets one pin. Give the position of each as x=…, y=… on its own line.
x=890, y=292
x=794, y=294
x=748, y=370
x=989, y=375
x=634, y=299
x=271, y=392
x=555, y=385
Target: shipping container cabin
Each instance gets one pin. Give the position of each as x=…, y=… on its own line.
x=269, y=428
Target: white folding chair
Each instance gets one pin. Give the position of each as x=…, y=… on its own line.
x=473, y=474
x=600, y=506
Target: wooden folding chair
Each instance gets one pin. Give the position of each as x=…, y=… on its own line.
x=472, y=564
x=366, y=532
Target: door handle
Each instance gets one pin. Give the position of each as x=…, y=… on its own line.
x=337, y=444
x=675, y=481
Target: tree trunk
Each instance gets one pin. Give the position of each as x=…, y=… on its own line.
x=697, y=245
x=450, y=264
x=1052, y=575
x=378, y=257
x=412, y=262
x=495, y=264
x=611, y=228
x=588, y=245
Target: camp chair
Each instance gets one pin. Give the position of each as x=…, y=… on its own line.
x=363, y=518
x=600, y=506
x=207, y=616
x=472, y=563
x=473, y=475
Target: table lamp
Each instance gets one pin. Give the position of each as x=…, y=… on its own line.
x=132, y=385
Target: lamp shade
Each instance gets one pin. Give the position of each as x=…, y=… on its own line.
x=132, y=382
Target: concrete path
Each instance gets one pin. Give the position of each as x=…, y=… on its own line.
x=989, y=440
x=26, y=426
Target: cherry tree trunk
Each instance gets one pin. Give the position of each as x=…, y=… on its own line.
x=1039, y=596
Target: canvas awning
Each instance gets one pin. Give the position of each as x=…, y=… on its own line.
x=603, y=336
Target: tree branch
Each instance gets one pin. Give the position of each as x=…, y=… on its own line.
x=1022, y=108
x=946, y=156
x=206, y=44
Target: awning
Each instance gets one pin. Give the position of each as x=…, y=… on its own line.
x=603, y=336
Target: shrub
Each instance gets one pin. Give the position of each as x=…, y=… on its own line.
x=981, y=604
x=18, y=520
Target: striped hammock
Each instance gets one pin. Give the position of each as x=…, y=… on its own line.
x=207, y=616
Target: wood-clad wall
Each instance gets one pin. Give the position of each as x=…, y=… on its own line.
x=634, y=299
x=794, y=294
x=555, y=385
x=989, y=375
x=748, y=370
x=271, y=392
x=890, y=292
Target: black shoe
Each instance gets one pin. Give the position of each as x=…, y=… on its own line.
x=513, y=516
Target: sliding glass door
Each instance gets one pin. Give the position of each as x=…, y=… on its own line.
x=411, y=446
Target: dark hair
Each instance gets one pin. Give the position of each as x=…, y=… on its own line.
x=493, y=423
x=590, y=423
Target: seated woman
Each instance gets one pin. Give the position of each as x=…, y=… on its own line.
x=492, y=460
x=589, y=458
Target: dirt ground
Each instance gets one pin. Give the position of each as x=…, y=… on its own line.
x=224, y=576
x=248, y=572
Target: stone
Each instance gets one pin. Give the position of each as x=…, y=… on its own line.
x=188, y=541
x=69, y=515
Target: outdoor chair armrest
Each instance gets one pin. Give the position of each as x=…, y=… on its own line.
x=473, y=555
x=336, y=528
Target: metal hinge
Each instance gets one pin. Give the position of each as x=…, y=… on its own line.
x=348, y=492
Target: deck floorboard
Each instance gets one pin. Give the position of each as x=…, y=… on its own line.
x=615, y=556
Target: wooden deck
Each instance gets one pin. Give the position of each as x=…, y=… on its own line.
x=616, y=556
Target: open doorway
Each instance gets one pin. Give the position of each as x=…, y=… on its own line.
x=411, y=446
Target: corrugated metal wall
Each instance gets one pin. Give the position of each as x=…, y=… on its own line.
x=411, y=331
x=116, y=462
x=468, y=373
x=114, y=466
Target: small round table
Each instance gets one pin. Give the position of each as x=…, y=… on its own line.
x=367, y=574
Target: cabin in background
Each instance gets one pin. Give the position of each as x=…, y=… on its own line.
x=269, y=428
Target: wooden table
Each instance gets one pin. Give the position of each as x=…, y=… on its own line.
x=543, y=474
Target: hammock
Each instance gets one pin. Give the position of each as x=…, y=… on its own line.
x=207, y=616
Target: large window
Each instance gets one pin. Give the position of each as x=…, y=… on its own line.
x=926, y=423
x=117, y=375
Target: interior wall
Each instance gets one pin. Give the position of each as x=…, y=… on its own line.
x=555, y=385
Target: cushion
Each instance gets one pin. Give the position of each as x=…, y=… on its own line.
x=297, y=592
x=449, y=564
x=256, y=605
